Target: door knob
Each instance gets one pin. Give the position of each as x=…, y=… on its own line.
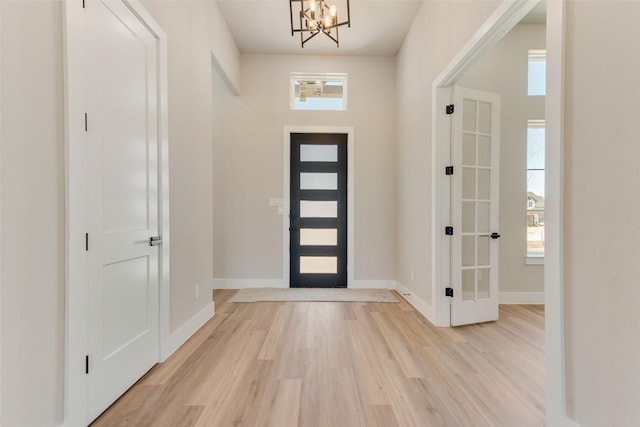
x=495, y=235
x=155, y=241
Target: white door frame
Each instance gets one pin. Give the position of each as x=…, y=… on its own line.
x=76, y=212
x=286, y=193
x=504, y=18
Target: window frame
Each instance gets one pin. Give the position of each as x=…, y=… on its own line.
x=533, y=258
x=334, y=77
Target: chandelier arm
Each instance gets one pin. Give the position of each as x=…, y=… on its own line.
x=291, y=15
x=348, y=14
x=331, y=37
x=310, y=37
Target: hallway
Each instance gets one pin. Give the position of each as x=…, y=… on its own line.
x=344, y=364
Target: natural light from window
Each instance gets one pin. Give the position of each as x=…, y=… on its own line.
x=537, y=80
x=319, y=92
x=535, y=187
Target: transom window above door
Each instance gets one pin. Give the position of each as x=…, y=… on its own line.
x=324, y=91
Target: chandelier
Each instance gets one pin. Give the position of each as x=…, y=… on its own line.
x=314, y=17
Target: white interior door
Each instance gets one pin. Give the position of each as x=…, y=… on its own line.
x=122, y=129
x=475, y=190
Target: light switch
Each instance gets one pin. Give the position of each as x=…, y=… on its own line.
x=276, y=202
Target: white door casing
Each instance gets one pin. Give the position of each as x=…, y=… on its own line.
x=117, y=199
x=474, y=206
x=286, y=191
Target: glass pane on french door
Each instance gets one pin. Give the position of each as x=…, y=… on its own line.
x=476, y=192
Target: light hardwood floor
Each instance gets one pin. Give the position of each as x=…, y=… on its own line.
x=329, y=364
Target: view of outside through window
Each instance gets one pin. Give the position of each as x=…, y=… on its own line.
x=535, y=187
x=319, y=92
x=537, y=72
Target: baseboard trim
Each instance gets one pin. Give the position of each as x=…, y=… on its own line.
x=190, y=327
x=373, y=284
x=418, y=303
x=248, y=283
x=521, y=298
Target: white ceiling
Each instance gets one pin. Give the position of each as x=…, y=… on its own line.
x=378, y=27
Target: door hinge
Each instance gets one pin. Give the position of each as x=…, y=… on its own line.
x=86, y=122
x=450, y=109
x=448, y=292
x=86, y=241
x=448, y=230
x=86, y=364
x=448, y=170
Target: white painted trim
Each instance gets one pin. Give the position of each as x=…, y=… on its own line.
x=0, y=224
x=506, y=16
x=286, y=160
x=416, y=302
x=76, y=271
x=76, y=267
x=441, y=209
x=521, y=297
x=534, y=260
x=223, y=74
x=249, y=283
x=187, y=329
x=555, y=402
x=373, y=284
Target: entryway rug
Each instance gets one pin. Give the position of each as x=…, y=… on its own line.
x=313, y=294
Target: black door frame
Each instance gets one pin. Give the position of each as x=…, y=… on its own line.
x=297, y=279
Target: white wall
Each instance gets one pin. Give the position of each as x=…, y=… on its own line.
x=438, y=32
x=249, y=164
x=503, y=70
x=32, y=246
x=33, y=198
x=194, y=32
x=602, y=212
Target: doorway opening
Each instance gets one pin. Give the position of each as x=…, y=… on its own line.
x=501, y=21
x=318, y=206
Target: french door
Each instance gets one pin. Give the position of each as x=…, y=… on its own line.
x=318, y=210
x=475, y=188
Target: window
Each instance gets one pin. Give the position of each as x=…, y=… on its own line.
x=537, y=80
x=535, y=187
x=319, y=91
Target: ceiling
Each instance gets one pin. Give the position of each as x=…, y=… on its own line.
x=378, y=27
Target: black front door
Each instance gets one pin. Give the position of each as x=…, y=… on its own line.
x=318, y=217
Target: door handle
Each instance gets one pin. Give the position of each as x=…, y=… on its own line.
x=155, y=241
x=495, y=235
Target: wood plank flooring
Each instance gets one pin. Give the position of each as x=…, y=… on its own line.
x=329, y=364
